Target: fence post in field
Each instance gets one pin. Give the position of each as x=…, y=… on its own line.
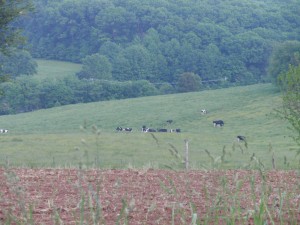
x=273, y=161
x=186, y=154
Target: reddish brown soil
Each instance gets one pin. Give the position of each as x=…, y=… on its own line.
x=67, y=196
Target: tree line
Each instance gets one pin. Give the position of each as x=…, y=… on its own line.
x=159, y=40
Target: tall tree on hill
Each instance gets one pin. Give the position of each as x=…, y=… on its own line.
x=10, y=35
x=188, y=82
x=96, y=66
x=10, y=11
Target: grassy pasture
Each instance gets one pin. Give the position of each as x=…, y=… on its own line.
x=63, y=136
x=54, y=68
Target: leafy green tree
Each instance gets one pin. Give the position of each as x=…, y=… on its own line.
x=290, y=84
x=17, y=63
x=54, y=92
x=283, y=55
x=139, y=61
x=152, y=43
x=121, y=68
x=96, y=66
x=22, y=94
x=188, y=82
x=10, y=34
x=10, y=11
x=110, y=50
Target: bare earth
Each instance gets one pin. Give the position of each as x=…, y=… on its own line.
x=69, y=196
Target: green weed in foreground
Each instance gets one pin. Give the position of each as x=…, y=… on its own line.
x=227, y=202
x=245, y=197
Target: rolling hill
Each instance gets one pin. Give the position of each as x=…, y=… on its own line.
x=85, y=133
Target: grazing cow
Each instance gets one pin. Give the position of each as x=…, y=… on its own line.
x=162, y=130
x=169, y=121
x=124, y=129
x=241, y=138
x=119, y=129
x=146, y=129
x=175, y=130
x=150, y=130
x=219, y=123
x=204, y=111
x=2, y=131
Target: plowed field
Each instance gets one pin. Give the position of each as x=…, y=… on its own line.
x=72, y=196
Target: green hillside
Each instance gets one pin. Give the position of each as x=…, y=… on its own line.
x=53, y=137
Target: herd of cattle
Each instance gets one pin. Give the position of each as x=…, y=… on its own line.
x=145, y=129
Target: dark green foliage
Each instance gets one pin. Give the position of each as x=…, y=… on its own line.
x=10, y=11
x=12, y=61
x=96, y=66
x=125, y=45
x=290, y=85
x=17, y=63
x=285, y=54
x=30, y=93
x=188, y=82
x=159, y=40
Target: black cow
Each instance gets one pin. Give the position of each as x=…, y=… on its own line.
x=162, y=130
x=150, y=130
x=241, y=138
x=169, y=121
x=219, y=123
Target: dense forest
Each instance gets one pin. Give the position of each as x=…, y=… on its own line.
x=167, y=45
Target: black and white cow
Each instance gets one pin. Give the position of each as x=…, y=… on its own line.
x=2, y=131
x=240, y=138
x=128, y=129
x=203, y=111
x=119, y=129
x=219, y=123
x=150, y=130
x=177, y=130
x=146, y=129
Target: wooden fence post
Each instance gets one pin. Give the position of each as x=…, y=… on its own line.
x=273, y=162
x=186, y=154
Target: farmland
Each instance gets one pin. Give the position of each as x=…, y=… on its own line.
x=69, y=165
x=75, y=134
